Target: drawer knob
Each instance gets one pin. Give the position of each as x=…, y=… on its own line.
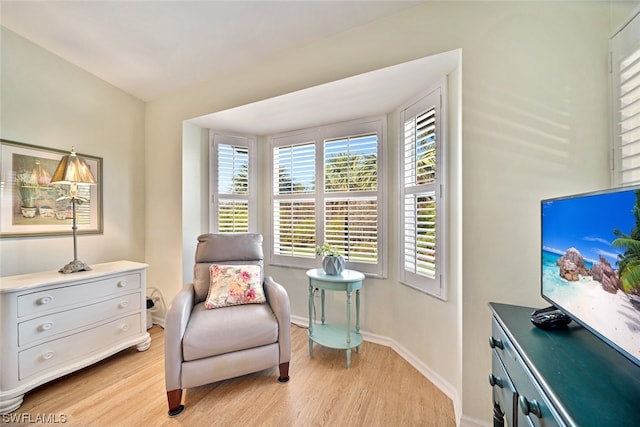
x=45, y=300
x=495, y=342
x=122, y=284
x=124, y=304
x=529, y=407
x=124, y=327
x=495, y=381
x=47, y=355
x=46, y=326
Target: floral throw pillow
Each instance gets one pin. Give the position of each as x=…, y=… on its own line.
x=234, y=285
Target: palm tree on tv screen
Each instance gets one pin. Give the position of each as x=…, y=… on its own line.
x=629, y=261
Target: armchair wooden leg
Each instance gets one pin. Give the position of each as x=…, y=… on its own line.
x=284, y=372
x=174, y=397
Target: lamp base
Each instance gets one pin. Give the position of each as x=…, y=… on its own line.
x=74, y=266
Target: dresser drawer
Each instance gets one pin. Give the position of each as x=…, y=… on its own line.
x=531, y=408
x=43, y=301
x=56, y=323
x=65, y=350
x=502, y=346
x=504, y=393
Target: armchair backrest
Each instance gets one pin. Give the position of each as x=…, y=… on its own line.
x=227, y=249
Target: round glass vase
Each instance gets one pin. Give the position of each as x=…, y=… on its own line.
x=333, y=264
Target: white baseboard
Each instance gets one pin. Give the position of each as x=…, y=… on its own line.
x=300, y=321
x=158, y=320
x=431, y=375
x=473, y=422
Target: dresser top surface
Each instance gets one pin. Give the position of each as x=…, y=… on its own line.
x=33, y=280
x=592, y=381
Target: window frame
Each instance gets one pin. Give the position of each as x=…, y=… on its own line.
x=318, y=136
x=436, y=96
x=215, y=140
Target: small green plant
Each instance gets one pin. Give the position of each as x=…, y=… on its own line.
x=326, y=249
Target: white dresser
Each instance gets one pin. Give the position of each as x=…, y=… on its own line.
x=52, y=323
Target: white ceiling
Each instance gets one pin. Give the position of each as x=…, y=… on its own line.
x=373, y=93
x=153, y=48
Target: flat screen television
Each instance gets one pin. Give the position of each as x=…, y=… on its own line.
x=591, y=263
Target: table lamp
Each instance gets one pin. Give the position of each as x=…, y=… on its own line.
x=73, y=170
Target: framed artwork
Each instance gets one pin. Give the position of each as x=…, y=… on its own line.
x=30, y=205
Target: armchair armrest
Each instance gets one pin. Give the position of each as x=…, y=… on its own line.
x=175, y=323
x=278, y=299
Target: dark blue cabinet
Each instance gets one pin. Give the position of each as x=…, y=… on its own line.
x=563, y=377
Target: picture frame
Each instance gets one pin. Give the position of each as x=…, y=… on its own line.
x=31, y=206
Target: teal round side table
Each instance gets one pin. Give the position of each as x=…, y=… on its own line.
x=335, y=335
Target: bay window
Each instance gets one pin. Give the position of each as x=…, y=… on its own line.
x=326, y=187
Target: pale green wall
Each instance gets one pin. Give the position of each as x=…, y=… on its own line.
x=48, y=102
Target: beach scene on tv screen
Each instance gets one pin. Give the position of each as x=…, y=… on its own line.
x=591, y=263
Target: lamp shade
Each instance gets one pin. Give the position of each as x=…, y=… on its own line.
x=73, y=169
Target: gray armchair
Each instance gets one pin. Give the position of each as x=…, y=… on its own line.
x=203, y=346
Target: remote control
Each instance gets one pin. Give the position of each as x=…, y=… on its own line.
x=548, y=319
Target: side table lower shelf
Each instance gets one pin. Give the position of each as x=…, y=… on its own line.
x=334, y=336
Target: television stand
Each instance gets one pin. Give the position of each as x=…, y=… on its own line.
x=558, y=377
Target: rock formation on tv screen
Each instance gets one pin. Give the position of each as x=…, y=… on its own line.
x=572, y=265
x=606, y=275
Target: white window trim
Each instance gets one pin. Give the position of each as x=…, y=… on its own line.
x=318, y=135
x=215, y=139
x=436, y=287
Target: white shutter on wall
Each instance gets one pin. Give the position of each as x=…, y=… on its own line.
x=421, y=194
x=351, y=202
x=294, y=212
x=233, y=207
x=233, y=169
x=294, y=227
x=351, y=225
x=420, y=234
x=625, y=58
x=233, y=216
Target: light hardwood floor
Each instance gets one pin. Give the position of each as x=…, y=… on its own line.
x=127, y=389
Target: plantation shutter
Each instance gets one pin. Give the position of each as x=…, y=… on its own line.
x=294, y=204
x=422, y=153
x=420, y=234
x=326, y=188
x=233, y=209
x=350, y=199
x=233, y=180
x=625, y=58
